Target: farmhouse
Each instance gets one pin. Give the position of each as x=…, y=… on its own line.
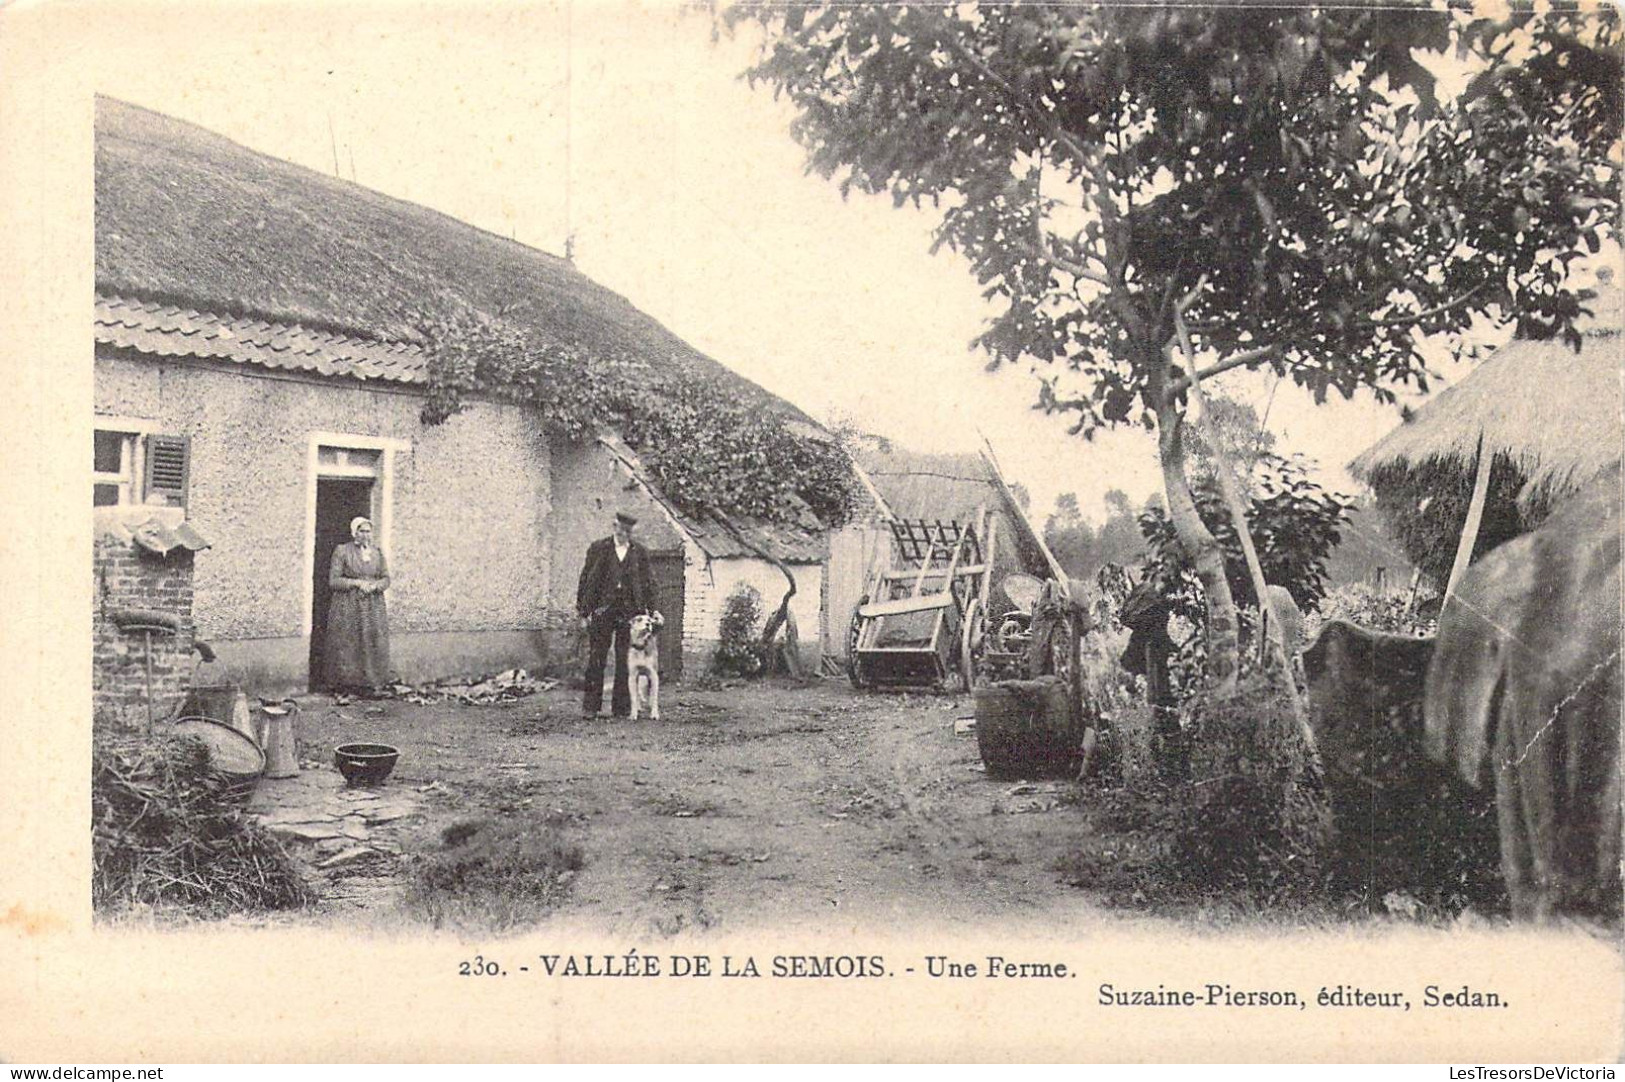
x=260, y=380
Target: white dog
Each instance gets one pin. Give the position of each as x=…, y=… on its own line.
x=643, y=660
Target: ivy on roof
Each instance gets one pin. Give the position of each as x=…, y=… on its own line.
x=709, y=450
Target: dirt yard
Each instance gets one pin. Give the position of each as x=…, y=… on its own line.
x=744, y=807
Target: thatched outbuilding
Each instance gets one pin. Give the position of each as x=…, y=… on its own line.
x=1541, y=417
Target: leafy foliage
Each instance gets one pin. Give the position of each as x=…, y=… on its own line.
x=1082, y=549
x=1290, y=185
x=709, y=452
x=728, y=455
x=1294, y=522
x=739, y=648
x=1254, y=818
x=1379, y=610
x=1293, y=167
x=1240, y=433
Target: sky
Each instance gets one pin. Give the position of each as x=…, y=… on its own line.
x=626, y=126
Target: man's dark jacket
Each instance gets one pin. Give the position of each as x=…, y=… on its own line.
x=596, y=593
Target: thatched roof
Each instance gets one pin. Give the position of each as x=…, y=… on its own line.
x=946, y=486
x=1553, y=412
x=189, y=218
x=918, y=485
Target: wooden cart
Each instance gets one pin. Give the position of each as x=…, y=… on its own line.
x=921, y=623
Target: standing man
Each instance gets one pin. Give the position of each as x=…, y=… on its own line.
x=614, y=587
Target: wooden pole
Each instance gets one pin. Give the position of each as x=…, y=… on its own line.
x=1475, y=517
x=1232, y=498
x=1410, y=600
x=1055, y=568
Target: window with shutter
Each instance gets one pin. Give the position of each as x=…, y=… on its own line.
x=168, y=467
x=110, y=479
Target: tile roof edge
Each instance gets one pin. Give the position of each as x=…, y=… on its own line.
x=244, y=316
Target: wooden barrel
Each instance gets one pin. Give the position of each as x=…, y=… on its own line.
x=1024, y=729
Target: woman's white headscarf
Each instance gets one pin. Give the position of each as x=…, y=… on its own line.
x=357, y=522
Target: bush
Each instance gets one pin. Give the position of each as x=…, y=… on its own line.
x=1294, y=522
x=1378, y=610
x=1256, y=819
x=739, y=648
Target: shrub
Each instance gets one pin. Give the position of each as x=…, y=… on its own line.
x=1294, y=522
x=1255, y=818
x=739, y=648
x=1383, y=610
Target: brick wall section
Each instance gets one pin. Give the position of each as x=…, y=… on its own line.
x=127, y=577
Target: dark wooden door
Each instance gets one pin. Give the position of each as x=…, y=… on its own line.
x=338, y=500
x=666, y=571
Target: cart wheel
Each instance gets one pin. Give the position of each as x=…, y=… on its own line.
x=970, y=641
x=854, y=669
x=1066, y=662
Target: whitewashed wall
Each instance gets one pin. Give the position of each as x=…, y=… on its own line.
x=709, y=582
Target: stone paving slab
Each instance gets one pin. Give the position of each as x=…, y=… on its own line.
x=317, y=806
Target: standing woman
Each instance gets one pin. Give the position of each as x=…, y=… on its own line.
x=357, y=648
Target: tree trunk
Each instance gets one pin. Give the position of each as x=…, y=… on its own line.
x=1206, y=556
x=1272, y=631
x=781, y=616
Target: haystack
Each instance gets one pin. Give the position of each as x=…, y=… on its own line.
x=1550, y=414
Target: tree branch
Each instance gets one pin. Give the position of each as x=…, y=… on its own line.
x=1182, y=338
x=1402, y=321
x=1046, y=250
x=1230, y=363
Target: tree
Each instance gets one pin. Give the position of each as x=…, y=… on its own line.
x=1152, y=195
x=1080, y=548
x=1241, y=435
x=1070, y=538
x=1118, y=539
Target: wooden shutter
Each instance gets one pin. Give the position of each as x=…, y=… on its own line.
x=168, y=467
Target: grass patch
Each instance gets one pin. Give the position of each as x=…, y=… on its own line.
x=1257, y=834
x=492, y=875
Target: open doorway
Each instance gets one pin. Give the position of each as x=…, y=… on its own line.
x=338, y=500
